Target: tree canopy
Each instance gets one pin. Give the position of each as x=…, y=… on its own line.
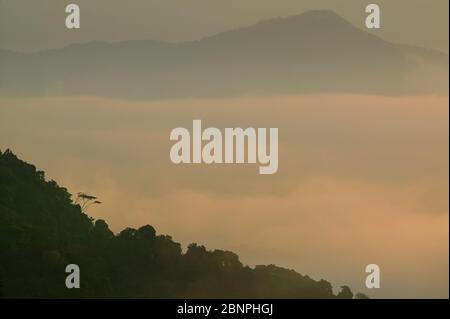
x=42, y=230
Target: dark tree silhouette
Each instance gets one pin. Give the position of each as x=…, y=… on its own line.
x=85, y=201
x=42, y=230
x=345, y=293
x=360, y=295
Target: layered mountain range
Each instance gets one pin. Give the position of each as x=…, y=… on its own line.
x=314, y=52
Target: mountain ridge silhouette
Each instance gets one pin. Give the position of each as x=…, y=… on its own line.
x=314, y=52
x=42, y=230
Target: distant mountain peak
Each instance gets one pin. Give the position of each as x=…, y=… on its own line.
x=320, y=13
x=307, y=25
x=314, y=18
x=317, y=51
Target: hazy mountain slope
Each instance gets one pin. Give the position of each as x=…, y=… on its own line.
x=317, y=51
x=41, y=231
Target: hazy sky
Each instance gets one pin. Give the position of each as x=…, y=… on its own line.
x=39, y=24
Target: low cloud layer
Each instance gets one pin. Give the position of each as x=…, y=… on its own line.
x=361, y=179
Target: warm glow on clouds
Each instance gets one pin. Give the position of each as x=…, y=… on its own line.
x=362, y=179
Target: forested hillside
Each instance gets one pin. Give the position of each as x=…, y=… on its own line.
x=42, y=230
